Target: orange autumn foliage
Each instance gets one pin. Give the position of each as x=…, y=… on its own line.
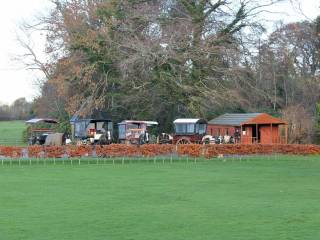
x=150, y=150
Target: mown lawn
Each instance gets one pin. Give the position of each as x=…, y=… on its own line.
x=11, y=133
x=263, y=198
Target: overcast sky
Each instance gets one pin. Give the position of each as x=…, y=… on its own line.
x=16, y=82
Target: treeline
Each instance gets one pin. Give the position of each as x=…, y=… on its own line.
x=163, y=59
x=20, y=109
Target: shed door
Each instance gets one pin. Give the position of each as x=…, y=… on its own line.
x=266, y=135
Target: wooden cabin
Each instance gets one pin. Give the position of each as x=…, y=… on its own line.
x=250, y=128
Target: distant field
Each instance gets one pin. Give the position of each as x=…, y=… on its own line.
x=273, y=197
x=11, y=133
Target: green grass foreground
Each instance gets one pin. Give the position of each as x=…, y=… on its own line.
x=11, y=133
x=257, y=198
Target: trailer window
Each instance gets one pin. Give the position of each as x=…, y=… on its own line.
x=122, y=132
x=80, y=129
x=110, y=126
x=180, y=128
x=190, y=128
x=133, y=126
x=185, y=128
x=202, y=128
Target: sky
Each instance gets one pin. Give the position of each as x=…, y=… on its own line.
x=16, y=82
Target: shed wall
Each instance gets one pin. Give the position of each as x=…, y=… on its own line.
x=217, y=130
x=246, y=135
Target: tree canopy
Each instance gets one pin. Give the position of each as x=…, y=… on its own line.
x=163, y=59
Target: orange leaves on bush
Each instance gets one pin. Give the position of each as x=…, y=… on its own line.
x=35, y=151
x=114, y=150
x=121, y=150
x=192, y=150
x=54, y=151
x=238, y=149
x=150, y=150
x=12, y=152
x=79, y=151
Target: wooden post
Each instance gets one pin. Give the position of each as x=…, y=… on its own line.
x=257, y=134
x=271, y=134
x=286, y=134
x=241, y=134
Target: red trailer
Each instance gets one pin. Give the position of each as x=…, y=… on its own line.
x=189, y=130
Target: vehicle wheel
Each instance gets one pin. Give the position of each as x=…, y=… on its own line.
x=134, y=141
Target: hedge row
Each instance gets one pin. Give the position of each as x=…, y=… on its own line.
x=121, y=150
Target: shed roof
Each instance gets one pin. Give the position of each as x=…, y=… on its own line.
x=238, y=119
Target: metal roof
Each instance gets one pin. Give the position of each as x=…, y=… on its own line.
x=93, y=115
x=188, y=120
x=45, y=120
x=233, y=119
x=148, y=123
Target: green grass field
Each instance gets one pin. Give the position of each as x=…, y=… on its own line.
x=11, y=133
x=259, y=198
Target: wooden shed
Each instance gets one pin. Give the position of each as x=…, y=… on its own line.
x=250, y=128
